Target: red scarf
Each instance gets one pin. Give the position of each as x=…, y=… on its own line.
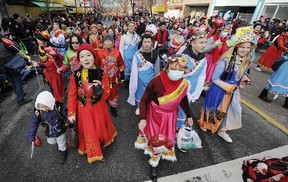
x=169, y=85
x=219, y=50
x=164, y=36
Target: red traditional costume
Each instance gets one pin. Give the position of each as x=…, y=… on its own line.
x=54, y=79
x=112, y=63
x=94, y=122
x=159, y=106
x=274, y=51
x=213, y=56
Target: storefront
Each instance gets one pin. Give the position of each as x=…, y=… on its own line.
x=275, y=8
x=243, y=8
x=196, y=8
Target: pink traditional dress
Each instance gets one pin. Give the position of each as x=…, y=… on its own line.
x=175, y=44
x=163, y=97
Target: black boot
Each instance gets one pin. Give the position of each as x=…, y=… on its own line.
x=153, y=175
x=285, y=106
x=62, y=156
x=264, y=95
x=113, y=112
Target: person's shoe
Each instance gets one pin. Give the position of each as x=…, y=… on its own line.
x=225, y=136
x=153, y=175
x=203, y=129
x=62, y=156
x=285, y=106
x=113, y=112
x=265, y=98
x=137, y=112
x=258, y=69
x=24, y=101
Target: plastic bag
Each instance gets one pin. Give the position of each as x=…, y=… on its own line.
x=187, y=138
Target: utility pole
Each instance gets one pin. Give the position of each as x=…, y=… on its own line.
x=48, y=9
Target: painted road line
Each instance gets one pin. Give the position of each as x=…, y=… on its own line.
x=267, y=117
x=224, y=172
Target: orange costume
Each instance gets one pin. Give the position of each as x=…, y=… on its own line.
x=95, y=127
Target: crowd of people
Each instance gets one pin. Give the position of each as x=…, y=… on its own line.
x=166, y=64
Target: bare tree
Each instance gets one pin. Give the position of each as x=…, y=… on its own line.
x=124, y=4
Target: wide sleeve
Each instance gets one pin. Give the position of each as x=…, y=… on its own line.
x=220, y=68
x=72, y=97
x=210, y=45
x=121, y=45
x=34, y=123
x=133, y=84
x=261, y=40
x=147, y=97
x=200, y=83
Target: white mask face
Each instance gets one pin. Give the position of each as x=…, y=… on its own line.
x=175, y=74
x=224, y=34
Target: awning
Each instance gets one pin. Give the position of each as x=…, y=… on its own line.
x=159, y=8
x=51, y=6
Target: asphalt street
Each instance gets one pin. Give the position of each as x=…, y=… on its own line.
x=122, y=162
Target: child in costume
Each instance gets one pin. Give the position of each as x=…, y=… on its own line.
x=52, y=117
x=113, y=64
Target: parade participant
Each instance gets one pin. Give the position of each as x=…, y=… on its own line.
x=277, y=83
x=66, y=30
x=220, y=112
x=88, y=91
x=100, y=28
x=95, y=38
x=258, y=39
x=216, y=47
x=58, y=39
x=79, y=32
x=53, y=118
x=47, y=57
x=111, y=62
x=162, y=35
x=10, y=54
x=145, y=65
x=274, y=51
x=196, y=73
x=176, y=41
x=158, y=112
x=128, y=47
x=70, y=60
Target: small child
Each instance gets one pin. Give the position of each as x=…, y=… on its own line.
x=51, y=116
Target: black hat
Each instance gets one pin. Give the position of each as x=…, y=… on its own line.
x=15, y=16
x=108, y=37
x=114, y=19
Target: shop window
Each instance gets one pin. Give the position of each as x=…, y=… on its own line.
x=268, y=11
x=282, y=12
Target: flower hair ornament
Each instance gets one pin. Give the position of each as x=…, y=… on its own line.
x=180, y=61
x=195, y=36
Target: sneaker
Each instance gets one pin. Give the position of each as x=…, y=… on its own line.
x=137, y=112
x=62, y=156
x=225, y=136
x=24, y=101
x=203, y=129
x=258, y=69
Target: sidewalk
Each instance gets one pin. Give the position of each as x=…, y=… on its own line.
x=224, y=172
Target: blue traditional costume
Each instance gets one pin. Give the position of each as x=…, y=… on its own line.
x=128, y=51
x=222, y=109
x=145, y=65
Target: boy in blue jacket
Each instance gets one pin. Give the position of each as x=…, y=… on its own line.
x=52, y=117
